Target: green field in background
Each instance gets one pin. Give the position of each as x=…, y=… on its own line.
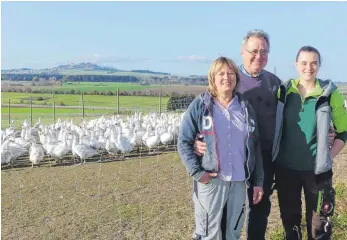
x=76, y=100
x=89, y=86
x=93, y=106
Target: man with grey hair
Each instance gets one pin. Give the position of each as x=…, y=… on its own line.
x=259, y=88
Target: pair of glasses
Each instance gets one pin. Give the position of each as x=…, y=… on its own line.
x=261, y=52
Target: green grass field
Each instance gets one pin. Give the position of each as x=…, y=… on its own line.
x=76, y=100
x=18, y=115
x=93, y=106
x=89, y=86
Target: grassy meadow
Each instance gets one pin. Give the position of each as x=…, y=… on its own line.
x=70, y=106
x=88, y=86
x=76, y=100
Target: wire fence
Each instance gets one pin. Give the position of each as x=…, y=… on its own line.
x=48, y=108
x=144, y=194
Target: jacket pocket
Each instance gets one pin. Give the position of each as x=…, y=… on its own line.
x=201, y=217
x=240, y=218
x=209, y=161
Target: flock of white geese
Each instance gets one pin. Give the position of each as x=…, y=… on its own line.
x=115, y=135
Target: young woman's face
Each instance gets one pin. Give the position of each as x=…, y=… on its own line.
x=307, y=65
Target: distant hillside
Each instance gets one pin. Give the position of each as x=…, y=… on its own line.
x=84, y=66
x=82, y=69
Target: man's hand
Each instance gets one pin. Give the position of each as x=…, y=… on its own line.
x=257, y=194
x=331, y=136
x=206, y=178
x=199, y=147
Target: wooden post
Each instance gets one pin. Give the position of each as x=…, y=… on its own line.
x=31, y=111
x=53, y=107
x=9, y=112
x=117, y=100
x=160, y=103
x=82, y=105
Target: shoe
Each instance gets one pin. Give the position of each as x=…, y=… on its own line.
x=196, y=236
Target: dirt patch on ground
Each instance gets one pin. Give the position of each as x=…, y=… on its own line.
x=141, y=198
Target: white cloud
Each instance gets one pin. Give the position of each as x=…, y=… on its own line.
x=194, y=58
x=97, y=58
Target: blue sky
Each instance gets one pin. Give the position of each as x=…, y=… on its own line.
x=176, y=37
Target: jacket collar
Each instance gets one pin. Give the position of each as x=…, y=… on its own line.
x=207, y=99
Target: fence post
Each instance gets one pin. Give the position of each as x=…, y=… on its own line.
x=82, y=105
x=117, y=100
x=160, y=103
x=31, y=111
x=53, y=107
x=9, y=112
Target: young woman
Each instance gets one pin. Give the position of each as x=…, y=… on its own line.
x=305, y=109
x=228, y=126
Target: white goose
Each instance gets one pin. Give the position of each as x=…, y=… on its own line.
x=110, y=145
x=153, y=141
x=36, y=154
x=81, y=150
x=6, y=153
x=166, y=138
x=60, y=150
x=122, y=143
x=15, y=149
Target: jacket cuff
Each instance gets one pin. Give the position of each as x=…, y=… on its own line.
x=342, y=136
x=258, y=182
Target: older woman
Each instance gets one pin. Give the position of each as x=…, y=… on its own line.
x=228, y=126
x=304, y=157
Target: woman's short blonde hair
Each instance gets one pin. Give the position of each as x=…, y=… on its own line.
x=215, y=68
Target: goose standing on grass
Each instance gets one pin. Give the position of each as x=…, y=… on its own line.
x=6, y=153
x=36, y=153
x=82, y=151
x=166, y=138
x=38, y=124
x=153, y=141
x=147, y=134
x=123, y=143
x=93, y=141
x=15, y=149
x=61, y=149
x=110, y=145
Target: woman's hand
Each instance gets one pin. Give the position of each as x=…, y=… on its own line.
x=206, y=178
x=199, y=146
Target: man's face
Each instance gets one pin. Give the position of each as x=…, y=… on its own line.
x=255, y=55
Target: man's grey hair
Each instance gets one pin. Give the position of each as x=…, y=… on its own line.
x=258, y=34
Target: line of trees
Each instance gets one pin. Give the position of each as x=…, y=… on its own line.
x=141, y=79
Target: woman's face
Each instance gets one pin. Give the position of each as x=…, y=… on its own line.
x=225, y=80
x=307, y=65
